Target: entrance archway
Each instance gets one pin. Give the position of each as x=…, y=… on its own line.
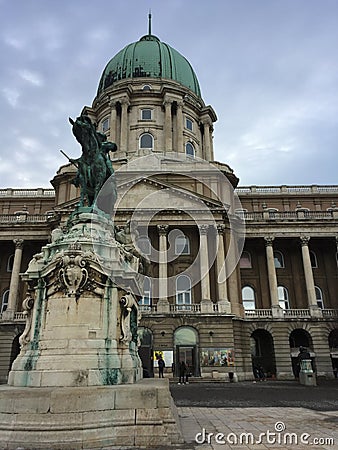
x=263, y=352
x=145, y=351
x=186, y=349
x=333, y=344
x=300, y=338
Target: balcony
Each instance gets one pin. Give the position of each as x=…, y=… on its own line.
x=290, y=314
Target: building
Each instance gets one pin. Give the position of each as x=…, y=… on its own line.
x=247, y=274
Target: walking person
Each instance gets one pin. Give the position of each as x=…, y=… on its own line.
x=182, y=372
x=161, y=366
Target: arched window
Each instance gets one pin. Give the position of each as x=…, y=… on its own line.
x=182, y=245
x=245, y=261
x=279, y=259
x=10, y=261
x=145, y=301
x=283, y=297
x=144, y=245
x=319, y=297
x=4, y=301
x=183, y=292
x=147, y=141
x=313, y=259
x=146, y=87
x=189, y=149
x=248, y=298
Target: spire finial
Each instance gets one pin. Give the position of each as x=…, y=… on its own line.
x=149, y=23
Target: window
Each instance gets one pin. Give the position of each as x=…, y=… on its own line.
x=279, y=259
x=4, y=301
x=183, y=292
x=319, y=297
x=144, y=245
x=189, y=149
x=283, y=297
x=145, y=301
x=147, y=141
x=313, y=259
x=10, y=263
x=146, y=114
x=182, y=245
x=105, y=125
x=245, y=261
x=146, y=87
x=248, y=298
x=188, y=124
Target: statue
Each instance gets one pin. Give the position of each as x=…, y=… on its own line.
x=94, y=167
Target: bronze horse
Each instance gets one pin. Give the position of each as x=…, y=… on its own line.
x=94, y=167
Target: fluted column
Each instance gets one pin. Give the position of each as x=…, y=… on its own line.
x=168, y=126
x=112, y=136
x=179, y=127
x=309, y=281
x=163, y=303
x=15, y=279
x=124, y=125
x=207, y=149
x=272, y=277
x=206, y=305
x=221, y=275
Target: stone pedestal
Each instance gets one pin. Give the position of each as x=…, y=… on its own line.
x=90, y=417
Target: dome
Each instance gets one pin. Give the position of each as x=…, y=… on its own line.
x=149, y=57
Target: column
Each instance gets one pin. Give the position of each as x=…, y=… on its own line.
x=168, y=143
x=112, y=136
x=221, y=275
x=207, y=152
x=179, y=147
x=206, y=305
x=163, y=304
x=309, y=281
x=15, y=279
x=276, y=310
x=233, y=272
x=124, y=125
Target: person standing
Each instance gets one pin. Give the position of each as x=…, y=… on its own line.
x=182, y=372
x=161, y=366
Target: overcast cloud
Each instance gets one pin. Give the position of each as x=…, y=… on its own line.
x=269, y=69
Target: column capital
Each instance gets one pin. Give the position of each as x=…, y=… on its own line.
x=180, y=104
x=125, y=101
x=304, y=240
x=18, y=243
x=203, y=229
x=220, y=228
x=162, y=229
x=167, y=102
x=269, y=240
x=112, y=103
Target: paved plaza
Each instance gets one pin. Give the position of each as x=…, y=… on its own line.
x=283, y=415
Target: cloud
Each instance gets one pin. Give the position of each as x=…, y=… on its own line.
x=11, y=95
x=32, y=77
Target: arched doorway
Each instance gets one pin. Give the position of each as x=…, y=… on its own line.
x=300, y=338
x=333, y=344
x=186, y=349
x=263, y=352
x=145, y=351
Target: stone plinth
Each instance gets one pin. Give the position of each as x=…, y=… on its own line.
x=90, y=417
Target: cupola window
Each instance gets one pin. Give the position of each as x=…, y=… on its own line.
x=146, y=114
x=147, y=141
x=188, y=124
x=146, y=87
x=189, y=149
x=105, y=125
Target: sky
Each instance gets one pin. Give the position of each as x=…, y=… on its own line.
x=269, y=68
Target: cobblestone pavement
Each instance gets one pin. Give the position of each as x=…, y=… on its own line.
x=301, y=417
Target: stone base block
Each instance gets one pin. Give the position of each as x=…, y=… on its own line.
x=142, y=414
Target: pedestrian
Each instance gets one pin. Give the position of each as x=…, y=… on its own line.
x=161, y=366
x=182, y=372
x=187, y=374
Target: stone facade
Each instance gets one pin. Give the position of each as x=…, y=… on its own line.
x=233, y=275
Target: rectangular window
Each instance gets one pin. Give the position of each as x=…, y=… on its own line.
x=146, y=114
x=188, y=124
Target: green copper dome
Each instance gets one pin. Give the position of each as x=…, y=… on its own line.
x=149, y=57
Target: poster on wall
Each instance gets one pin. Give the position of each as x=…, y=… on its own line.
x=167, y=356
x=217, y=357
